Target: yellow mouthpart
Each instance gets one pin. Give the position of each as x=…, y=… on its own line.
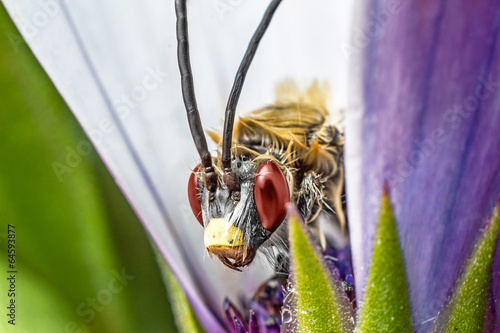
x=221, y=233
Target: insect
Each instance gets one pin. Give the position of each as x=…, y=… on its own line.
x=282, y=153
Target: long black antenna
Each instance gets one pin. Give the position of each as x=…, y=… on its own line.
x=189, y=97
x=238, y=86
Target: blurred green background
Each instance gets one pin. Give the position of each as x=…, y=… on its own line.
x=75, y=233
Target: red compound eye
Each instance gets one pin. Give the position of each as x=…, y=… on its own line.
x=194, y=195
x=271, y=195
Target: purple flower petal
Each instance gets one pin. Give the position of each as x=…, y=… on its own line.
x=254, y=326
x=233, y=317
x=240, y=328
x=426, y=122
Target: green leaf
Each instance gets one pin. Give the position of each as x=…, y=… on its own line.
x=319, y=303
x=386, y=306
x=185, y=318
x=466, y=310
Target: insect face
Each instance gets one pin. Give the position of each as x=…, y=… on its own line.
x=239, y=202
x=237, y=223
